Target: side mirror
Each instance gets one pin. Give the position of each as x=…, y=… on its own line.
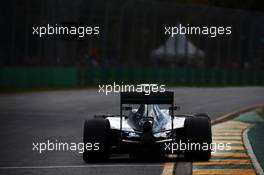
x=175, y=108
x=103, y=116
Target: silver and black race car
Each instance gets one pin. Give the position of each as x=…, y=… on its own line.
x=148, y=130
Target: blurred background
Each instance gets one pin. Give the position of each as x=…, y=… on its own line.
x=131, y=47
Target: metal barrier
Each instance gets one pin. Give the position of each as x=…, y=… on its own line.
x=173, y=76
x=53, y=77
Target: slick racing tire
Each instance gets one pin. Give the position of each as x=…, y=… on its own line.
x=198, y=132
x=96, y=133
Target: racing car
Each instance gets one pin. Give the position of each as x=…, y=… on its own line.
x=148, y=126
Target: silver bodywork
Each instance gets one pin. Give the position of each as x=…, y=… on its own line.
x=160, y=120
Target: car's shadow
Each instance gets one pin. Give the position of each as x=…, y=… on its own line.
x=146, y=160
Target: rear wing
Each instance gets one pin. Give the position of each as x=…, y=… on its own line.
x=141, y=98
x=166, y=97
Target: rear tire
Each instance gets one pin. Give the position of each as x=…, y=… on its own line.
x=96, y=131
x=198, y=130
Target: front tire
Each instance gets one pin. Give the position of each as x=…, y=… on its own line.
x=198, y=130
x=96, y=131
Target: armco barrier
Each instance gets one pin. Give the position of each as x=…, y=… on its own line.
x=53, y=77
x=173, y=76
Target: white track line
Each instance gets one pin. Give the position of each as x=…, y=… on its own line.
x=251, y=154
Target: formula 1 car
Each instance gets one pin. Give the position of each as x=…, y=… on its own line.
x=148, y=130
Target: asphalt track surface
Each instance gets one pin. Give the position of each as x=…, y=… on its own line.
x=35, y=117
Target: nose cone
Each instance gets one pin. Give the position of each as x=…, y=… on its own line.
x=147, y=127
x=148, y=137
